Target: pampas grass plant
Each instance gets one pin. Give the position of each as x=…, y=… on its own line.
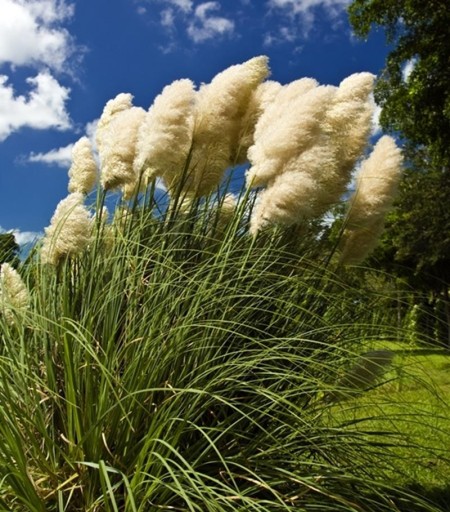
x=177, y=363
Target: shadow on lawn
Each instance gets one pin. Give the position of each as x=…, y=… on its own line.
x=422, y=352
x=437, y=496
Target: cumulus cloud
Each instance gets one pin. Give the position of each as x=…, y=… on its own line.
x=284, y=34
x=306, y=6
x=31, y=33
x=305, y=10
x=62, y=157
x=42, y=108
x=201, y=22
x=207, y=25
x=184, y=5
x=167, y=18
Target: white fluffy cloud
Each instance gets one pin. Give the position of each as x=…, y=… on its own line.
x=201, y=22
x=184, y=5
x=31, y=33
x=305, y=11
x=305, y=6
x=206, y=25
x=62, y=157
x=43, y=107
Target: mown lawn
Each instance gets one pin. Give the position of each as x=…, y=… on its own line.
x=410, y=410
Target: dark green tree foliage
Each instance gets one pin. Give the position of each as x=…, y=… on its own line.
x=418, y=107
x=9, y=249
x=416, y=244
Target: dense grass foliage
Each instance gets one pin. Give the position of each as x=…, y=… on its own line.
x=181, y=365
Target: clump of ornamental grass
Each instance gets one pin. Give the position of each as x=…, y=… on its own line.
x=184, y=371
x=172, y=361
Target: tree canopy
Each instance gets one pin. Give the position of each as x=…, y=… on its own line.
x=414, y=93
x=416, y=103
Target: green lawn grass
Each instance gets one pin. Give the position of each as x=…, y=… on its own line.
x=409, y=409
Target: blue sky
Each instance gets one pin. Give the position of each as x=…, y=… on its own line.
x=62, y=60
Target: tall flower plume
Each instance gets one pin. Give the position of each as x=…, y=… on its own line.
x=14, y=295
x=285, y=132
x=165, y=136
x=347, y=124
x=220, y=108
x=282, y=102
x=121, y=102
x=261, y=99
x=293, y=195
x=69, y=232
x=376, y=186
x=83, y=171
x=306, y=144
x=349, y=117
x=117, y=152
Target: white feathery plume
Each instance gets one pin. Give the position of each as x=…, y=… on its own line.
x=121, y=102
x=118, y=150
x=220, y=108
x=349, y=117
x=83, y=171
x=14, y=295
x=69, y=232
x=165, y=136
x=283, y=102
x=288, y=135
x=376, y=187
x=279, y=203
x=262, y=97
x=357, y=244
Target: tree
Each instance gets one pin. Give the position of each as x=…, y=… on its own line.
x=9, y=249
x=416, y=243
x=417, y=105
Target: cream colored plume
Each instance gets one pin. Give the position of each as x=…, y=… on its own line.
x=165, y=136
x=283, y=102
x=69, y=232
x=220, y=108
x=121, y=102
x=118, y=150
x=346, y=129
x=376, y=186
x=281, y=202
x=14, y=295
x=349, y=117
x=292, y=130
x=262, y=97
x=83, y=171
